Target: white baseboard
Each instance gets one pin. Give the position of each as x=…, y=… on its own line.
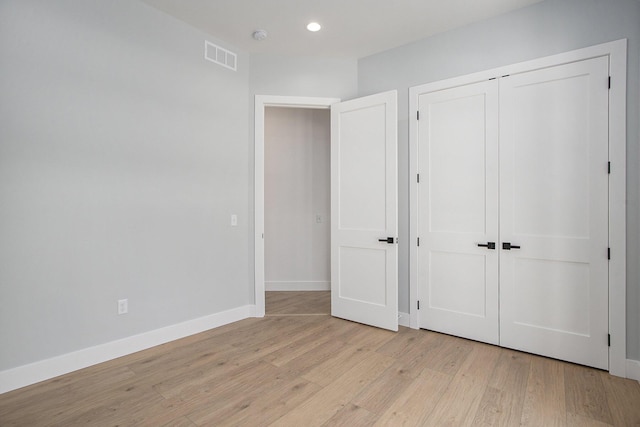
x=298, y=286
x=413, y=320
x=633, y=369
x=404, y=319
x=32, y=373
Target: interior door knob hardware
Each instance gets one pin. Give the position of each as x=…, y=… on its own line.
x=390, y=240
x=488, y=245
x=508, y=246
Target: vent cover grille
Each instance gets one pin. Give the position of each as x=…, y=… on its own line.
x=220, y=56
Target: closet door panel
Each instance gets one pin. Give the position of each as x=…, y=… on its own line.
x=554, y=212
x=458, y=209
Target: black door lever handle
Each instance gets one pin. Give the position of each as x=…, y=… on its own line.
x=508, y=246
x=387, y=239
x=488, y=245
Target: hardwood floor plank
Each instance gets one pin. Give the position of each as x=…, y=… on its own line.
x=239, y=381
x=460, y=401
x=383, y=392
x=503, y=399
x=288, y=303
x=69, y=403
x=274, y=328
x=481, y=360
x=410, y=363
x=126, y=408
x=326, y=350
x=623, y=396
x=327, y=402
x=270, y=405
x=170, y=384
x=365, y=337
x=449, y=356
x=403, y=341
x=229, y=358
x=351, y=416
x=180, y=422
x=295, y=348
x=585, y=394
x=415, y=403
x=544, y=403
x=575, y=420
x=58, y=395
x=245, y=405
x=331, y=369
x=187, y=357
x=213, y=394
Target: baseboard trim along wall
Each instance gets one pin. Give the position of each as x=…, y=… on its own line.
x=404, y=319
x=298, y=286
x=32, y=373
x=633, y=369
x=22, y=376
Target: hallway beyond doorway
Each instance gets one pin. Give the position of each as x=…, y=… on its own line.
x=286, y=303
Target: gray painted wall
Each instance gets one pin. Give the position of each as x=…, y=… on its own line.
x=546, y=28
x=303, y=76
x=123, y=154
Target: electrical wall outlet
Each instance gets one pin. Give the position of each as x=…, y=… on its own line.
x=123, y=306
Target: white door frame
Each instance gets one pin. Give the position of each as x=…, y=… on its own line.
x=617, y=52
x=261, y=102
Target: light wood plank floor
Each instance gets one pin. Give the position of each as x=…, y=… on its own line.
x=283, y=303
x=322, y=371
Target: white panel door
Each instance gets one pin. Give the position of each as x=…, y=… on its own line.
x=553, y=212
x=458, y=211
x=364, y=266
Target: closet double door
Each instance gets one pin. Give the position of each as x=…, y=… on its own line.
x=513, y=211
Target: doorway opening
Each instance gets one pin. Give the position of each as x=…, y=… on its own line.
x=297, y=200
x=292, y=204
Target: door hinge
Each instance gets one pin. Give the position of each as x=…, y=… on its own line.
x=418, y=304
x=418, y=178
x=609, y=167
x=609, y=339
x=609, y=82
x=418, y=115
x=608, y=253
x=418, y=241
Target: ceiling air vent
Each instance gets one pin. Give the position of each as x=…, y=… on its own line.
x=221, y=56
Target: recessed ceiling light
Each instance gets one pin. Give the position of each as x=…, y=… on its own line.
x=313, y=26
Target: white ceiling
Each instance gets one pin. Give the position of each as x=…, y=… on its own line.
x=350, y=28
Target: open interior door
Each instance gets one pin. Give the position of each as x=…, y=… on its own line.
x=364, y=250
